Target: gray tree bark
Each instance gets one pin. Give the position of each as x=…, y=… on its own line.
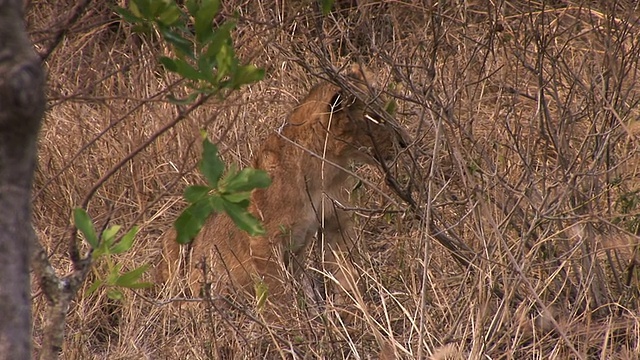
x=21, y=108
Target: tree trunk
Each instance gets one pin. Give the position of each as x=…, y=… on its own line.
x=21, y=109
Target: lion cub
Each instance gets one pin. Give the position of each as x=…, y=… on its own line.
x=328, y=129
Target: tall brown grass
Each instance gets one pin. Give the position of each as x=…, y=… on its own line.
x=514, y=229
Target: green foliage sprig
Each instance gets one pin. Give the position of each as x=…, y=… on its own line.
x=108, y=271
x=204, y=54
x=225, y=192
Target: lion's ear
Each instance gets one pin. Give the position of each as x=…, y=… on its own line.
x=362, y=74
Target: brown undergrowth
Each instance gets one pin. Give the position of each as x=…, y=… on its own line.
x=513, y=218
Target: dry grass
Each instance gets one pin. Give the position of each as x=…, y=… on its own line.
x=525, y=162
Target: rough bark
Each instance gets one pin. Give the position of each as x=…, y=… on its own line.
x=59, y=291
x=21, y=109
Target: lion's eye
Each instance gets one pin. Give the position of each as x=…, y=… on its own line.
x=377, y=121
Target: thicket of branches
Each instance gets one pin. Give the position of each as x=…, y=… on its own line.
x=515, y=220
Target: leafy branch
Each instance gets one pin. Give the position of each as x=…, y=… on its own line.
x=225, y=192
x=203, y=55
x=109, y=275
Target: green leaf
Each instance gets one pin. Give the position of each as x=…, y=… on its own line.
x=160, y=6
x=170, y=15
x=144, y=28
x=231, y=173
x=225, y=59
x=220, y=38
x=182, y=45
x=196, y=192
x=141, y=8
x=262, y=293
x=204, y=19
x=205, y=66
x=114, y=274
x=83, y=222
x=211, y=166
x=126, y=242
x=193, y=218
x=96, y=284
x=129, y=16
x=192, y=6
x=169, y=64
x=186, y=70
x=115, y=294
x=246, y=180
x=326, y=6
x=220, y=50
x=131, y=277
x=240, y=198
x=109, y=233
x=391, y=107
x=100, y=251
x=247, y=74
x=243, y=218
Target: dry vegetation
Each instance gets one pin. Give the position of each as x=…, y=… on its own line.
x=516, y=214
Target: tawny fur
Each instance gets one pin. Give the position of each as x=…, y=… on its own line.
x=447, y=352
x=300, y=201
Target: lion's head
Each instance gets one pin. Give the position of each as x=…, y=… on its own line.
x=350, y=120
